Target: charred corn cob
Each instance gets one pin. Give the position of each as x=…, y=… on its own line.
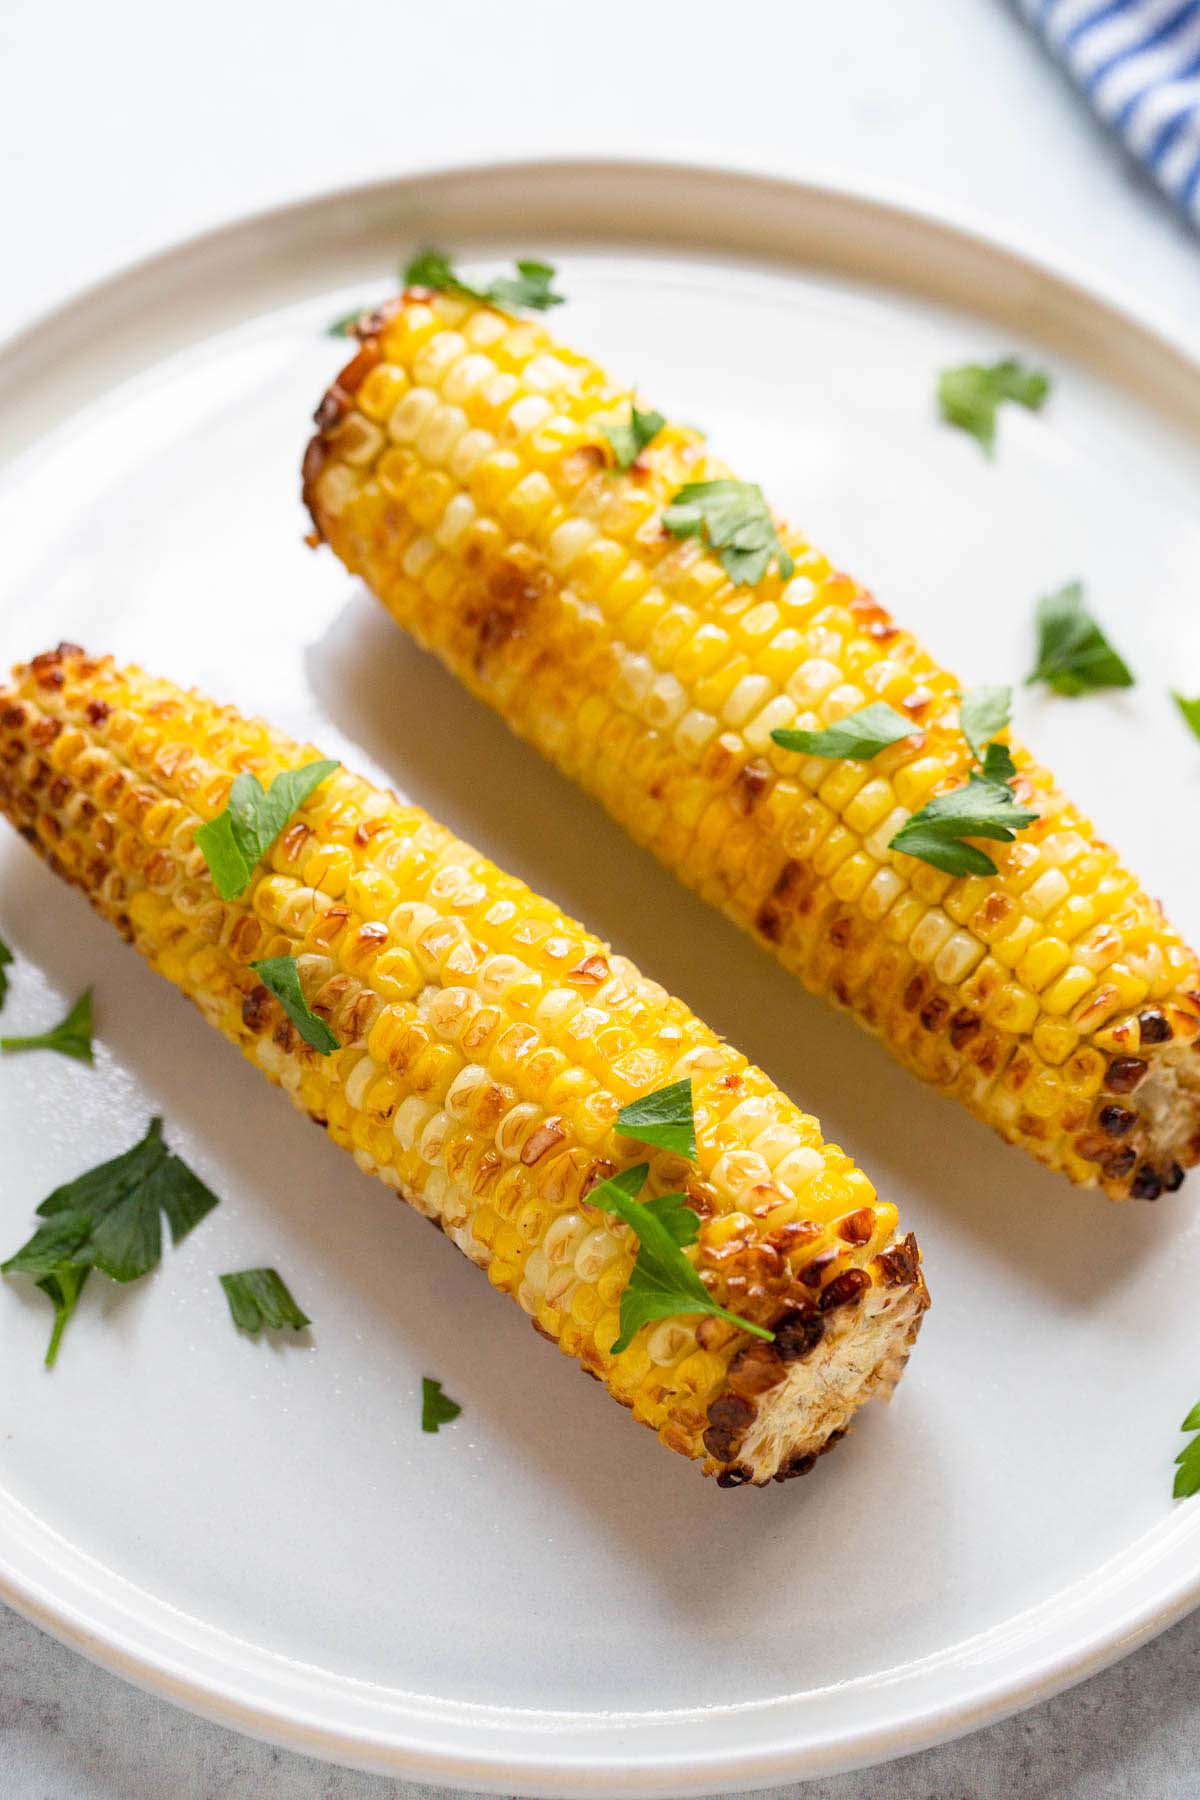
x=486, y=1044
x=460, y=467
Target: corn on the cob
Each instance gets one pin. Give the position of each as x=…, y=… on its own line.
x=487, y=1044
x=459, y=466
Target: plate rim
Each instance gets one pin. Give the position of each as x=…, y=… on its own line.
x=81, y=1615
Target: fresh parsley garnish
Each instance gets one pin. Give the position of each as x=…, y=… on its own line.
x=629, y=440
x=1074, y=656
x=970, y=395
x=665, y=1118
x=662, y=1284
x=259, y=1297
x=436, y=1408
x=1187, y=1474
x=856, y=738
x=732, y=517
x=238, y=838
x=6, y=957
x=344, y=327
x=529, y=288
x=998, y=764
x=280, y=976
x=1190, y=710
x=110, y=1219
x=984, y=712
x=986, y=807
x=72, y=1036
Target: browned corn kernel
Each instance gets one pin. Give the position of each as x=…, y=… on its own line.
x=487, y=1043
x=484, y=509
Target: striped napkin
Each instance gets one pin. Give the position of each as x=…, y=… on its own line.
x=1138, y=63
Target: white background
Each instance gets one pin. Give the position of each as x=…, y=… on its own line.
x=125, y=126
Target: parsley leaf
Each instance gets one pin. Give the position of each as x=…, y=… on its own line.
x=969, y=395
x=238, y=838
x=344, y=327
x=998, y=764
x=1074, y=656
x=1187, y=1474
x=629, y=440
x=530, y=288
x=984, y=712
x=71, y=1037
x=6, y=957
x=109, y=1219
x=984, y=808
x=62, y=1287
x=732, y=517
x=663, y=1284
x=856, y=738
x=259, y=1297
x=280, y=976
x=1190, y=710
x=665, y=1118
x=436, y=1408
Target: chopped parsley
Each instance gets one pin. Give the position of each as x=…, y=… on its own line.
x=970, y=395
x=238, y=838
x=344, y=327
x=629, y=440
x=1190, y=710
x=6, y=957
x=259, y=1297
x=986, y=807
x=436, y=1408
x=663, y=1284
x=1187, y=1473
x=529, y=289
x=937, y=834
x=985, y=711
x=1074, y=657
x=72, y=1036
x=732, y=518
x=110, y=1219
x=666, y=1119
x=280, y=976
x=856, y=738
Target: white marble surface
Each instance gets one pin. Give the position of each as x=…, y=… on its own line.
x=127, y=125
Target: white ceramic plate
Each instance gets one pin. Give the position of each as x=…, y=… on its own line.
x=541, y=1599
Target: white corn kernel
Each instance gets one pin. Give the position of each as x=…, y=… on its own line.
x=567, y=541
x=749, y=694
x=669, y=1342
x=1048, y=891
x=799, y=1167
x=957, y=957
x=471, y=446
x=468, y=373
x=439, y=434
x=417, y=558
x=515, y=1127
x=930, y=934
x=410, y=415
x=359, y=1080
x=412, y=1116
x=812, y=680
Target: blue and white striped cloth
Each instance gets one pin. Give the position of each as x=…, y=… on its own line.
x=1138, y=63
